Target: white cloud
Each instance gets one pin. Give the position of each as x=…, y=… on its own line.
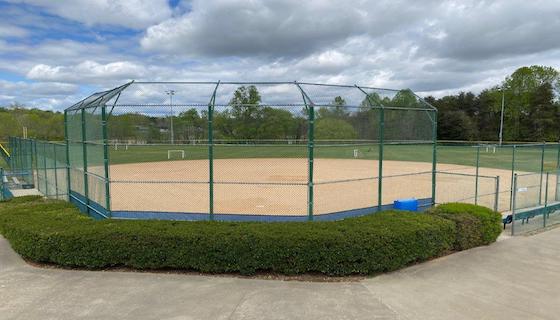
x=135, y=14
x=9, y=31
x=86, y=71
x=274, y=27
x=47, y=95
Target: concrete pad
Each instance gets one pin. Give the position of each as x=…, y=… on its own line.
x=25, y=192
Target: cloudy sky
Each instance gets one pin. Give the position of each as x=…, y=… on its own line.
x=52, y=53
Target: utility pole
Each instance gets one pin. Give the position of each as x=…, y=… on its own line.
x=171, y=93
x=502, y=117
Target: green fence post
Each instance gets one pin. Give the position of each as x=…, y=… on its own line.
x=1, y=184
x=545, y=213
x=476, y=177
x=514, y=193
x=512, y=175
x=55, y=171
x=211, y=106
x=20, y=159
x=380, y=161
x=497, y=194
x=45, y=169
x=85, y=162
x=542, y=170
x=310, y=159
x=211, y=159
x=556, y=197
x=67, y=147
x=35, y=177
x=104, y=125
x=434, y=157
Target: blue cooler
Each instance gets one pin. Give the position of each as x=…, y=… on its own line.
x=406, y=204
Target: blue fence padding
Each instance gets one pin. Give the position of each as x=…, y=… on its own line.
x=94, y=210
x=190, y=216
x=406, y=204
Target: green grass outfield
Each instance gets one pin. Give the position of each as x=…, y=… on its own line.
x=527, y=158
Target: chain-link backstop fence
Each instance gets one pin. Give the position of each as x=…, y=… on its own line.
x=266, y=152
x=276, y=151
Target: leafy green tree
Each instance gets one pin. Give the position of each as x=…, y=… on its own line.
x=406, y=99
x=456, y=125
x=540, y=122
x=334, y=129
x=520, y=89
x=336, y=109
x=245, y=105
x=277, y=124
x=189, y=125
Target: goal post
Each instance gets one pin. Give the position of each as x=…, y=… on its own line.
x=171, y=152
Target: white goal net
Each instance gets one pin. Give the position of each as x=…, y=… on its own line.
x=175, y=154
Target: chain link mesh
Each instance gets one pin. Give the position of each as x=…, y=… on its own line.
x=275, y=149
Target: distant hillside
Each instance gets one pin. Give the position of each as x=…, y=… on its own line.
x=45, y=125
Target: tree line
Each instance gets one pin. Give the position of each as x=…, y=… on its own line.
x=530, y=97
x=40, y=124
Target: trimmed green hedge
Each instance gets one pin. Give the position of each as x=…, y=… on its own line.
x=50, y=231
x=475, y=225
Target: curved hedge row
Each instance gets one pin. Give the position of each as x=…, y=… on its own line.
x=55, y=232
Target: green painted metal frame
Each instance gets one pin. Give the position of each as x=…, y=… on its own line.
x=545, y=199
x=68, y=179
x=45, y=168
x=511, y=196
x=310, y=107
x=311, y=159
x=211, y=106
x=434, y=156
x=380, y=161
x=55, y=170
x=36, y=162
x=513, y=209
x=557, y=195
x=1, y=184
x=106, y=159
x=85, y=162
x=476, y=178
x=497, y=192
x=542, y=171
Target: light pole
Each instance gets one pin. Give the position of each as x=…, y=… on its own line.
x=502, y=117
x=171, y=93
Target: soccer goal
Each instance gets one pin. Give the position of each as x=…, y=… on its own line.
x=170, y=153
x=121, y=146
x=488, y=147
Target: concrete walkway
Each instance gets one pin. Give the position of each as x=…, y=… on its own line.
x=517, y=278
